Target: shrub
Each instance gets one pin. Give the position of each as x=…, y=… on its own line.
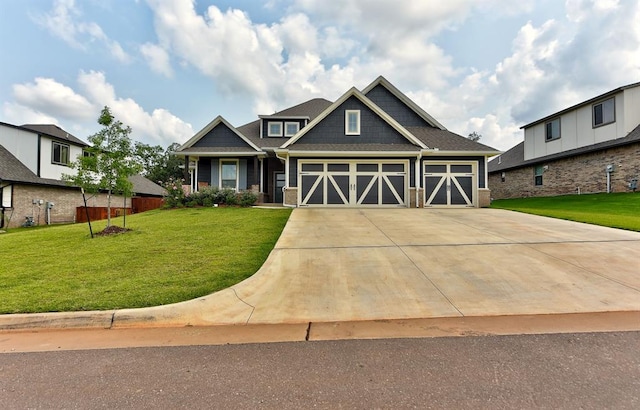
x=175, y=194
x=247, y=198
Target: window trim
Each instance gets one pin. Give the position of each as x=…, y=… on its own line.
x=269, y=133
x=604, y=122
x=62, y=147
x=229, y=161
x=546, y=130
x=347, y=113
x=286, y=125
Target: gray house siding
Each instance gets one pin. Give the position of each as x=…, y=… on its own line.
x=222, y=136
x=398, y=110
x=373, y=129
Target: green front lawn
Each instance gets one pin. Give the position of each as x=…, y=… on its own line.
x=617, y=210
x=169, y=256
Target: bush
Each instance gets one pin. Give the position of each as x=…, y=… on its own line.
x=207, y=196
x=247, y=198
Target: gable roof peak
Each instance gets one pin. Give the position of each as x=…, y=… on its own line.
x=216, y=121
x=382, y=81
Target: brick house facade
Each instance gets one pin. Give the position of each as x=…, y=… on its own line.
x=591, y=147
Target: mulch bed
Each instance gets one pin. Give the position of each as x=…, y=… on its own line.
x=112, y=230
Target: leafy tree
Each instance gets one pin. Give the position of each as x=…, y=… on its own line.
x=159, y=165
x=474, y=136
x=109, y=162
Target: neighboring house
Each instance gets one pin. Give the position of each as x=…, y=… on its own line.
x=590, y=147
x=369, y=148
x=33, y=159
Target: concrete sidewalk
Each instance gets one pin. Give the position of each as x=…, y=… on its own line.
x=352, y=265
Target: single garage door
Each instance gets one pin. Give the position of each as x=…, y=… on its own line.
x=352, y=183
x=449, y=183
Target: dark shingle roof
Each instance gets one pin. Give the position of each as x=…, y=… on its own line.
x=514, y=158
x=447, y=140
x=144, y=186
x=311, y=109
x=54, y=131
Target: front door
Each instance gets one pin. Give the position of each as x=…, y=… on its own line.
x=449, y=184
x=351, y=183
x=278, y=184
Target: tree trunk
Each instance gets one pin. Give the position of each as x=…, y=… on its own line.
x=109, y=208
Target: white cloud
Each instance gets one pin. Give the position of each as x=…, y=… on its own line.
x=157, y=58
x=63, y=21
x=47, y=101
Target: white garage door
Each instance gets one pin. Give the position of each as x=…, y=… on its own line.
x=352, y=183
x=449, y=184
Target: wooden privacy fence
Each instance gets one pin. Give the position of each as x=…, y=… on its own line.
x=141, y=204
x=98, y=212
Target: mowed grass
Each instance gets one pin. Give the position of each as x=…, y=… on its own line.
x=169, y=256
x=617, y=210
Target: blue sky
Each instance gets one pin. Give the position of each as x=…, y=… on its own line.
x=168, y=67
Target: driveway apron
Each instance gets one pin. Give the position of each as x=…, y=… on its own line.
x=376, y=264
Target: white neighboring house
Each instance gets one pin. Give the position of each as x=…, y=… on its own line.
x=593, y=146
x=33, y=158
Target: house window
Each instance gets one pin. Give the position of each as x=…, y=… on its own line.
x=352, y=122
x=604, y=112
x=275, y=129
x=229, y=174
x=538, y=170
x=60, y=154
x=552, y=130
x=291, y=128
x=87, y=154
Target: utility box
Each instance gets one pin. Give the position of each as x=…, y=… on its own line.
x=610, y=168
x=50, y=205
x=633, y=184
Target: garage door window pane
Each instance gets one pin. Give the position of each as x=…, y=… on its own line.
x=367, y=167
x=312, y=167
x=436, y=169
x=392, y=167
x=338, y=167
x=461, y=169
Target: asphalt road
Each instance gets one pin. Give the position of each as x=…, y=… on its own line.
x=580, y=370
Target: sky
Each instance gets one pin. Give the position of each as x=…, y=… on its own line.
x=167, y=68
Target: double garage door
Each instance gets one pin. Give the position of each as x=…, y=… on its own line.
x=353, y=183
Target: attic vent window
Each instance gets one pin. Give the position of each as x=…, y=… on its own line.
x=275, y=129
x=352, y=122
x=291, y=128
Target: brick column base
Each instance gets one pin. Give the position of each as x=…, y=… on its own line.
x=484, y=197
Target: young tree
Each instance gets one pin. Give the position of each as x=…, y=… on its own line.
x=109, y=162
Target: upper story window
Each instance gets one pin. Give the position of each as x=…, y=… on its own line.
x=274, y=129
x=604, y=112
x=352, y=122
x=291, y=128
x=59, y=153
x=552, y=130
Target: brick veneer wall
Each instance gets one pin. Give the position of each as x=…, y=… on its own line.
x=66, y=201
x=565, y=176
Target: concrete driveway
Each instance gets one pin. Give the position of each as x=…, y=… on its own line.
x=335, y=265
x=369, y=264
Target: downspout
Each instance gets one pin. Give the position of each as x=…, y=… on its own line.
x=286, y=179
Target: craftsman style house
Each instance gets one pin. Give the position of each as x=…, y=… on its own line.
x=33, y=159
x=369, y=148
x=591, y=147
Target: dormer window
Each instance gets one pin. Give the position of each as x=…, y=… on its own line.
x=604, y=112
x=552, y=130
x=291, y=128
x=59, y=153
x=274, y=129
x=352, y=122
